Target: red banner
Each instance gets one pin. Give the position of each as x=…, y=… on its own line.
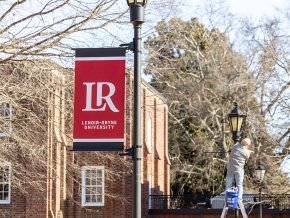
x=99, y=99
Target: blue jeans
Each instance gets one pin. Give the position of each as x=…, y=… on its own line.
x=239, y=178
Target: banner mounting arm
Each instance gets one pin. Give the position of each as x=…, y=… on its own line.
x=129, y=46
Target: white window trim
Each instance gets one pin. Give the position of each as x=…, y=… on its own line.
x=8, y=201
x=84, y=169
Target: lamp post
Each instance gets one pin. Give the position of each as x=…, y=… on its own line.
x=260, y=172
x=236, y=119
x=137, y=19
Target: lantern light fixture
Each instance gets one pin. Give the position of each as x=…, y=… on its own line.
x=236, y=120
x=136, y=2
x=260, y=172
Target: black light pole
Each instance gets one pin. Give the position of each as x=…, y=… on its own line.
x=137, y=19
x=236, y=120
x=260, y=172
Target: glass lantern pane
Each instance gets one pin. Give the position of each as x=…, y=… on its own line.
x=260, y=174
x=142, y=2
x=263, y=174
x=236, y=123
x=240, y=122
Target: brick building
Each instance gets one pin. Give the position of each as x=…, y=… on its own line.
x=62, y=183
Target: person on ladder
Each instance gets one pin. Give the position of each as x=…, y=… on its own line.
x=240, y=153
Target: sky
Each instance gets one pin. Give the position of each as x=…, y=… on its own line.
x=259, y=7
x=256, y=7
x=252, y=8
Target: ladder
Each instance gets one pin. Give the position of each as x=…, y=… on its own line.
x=241, y=206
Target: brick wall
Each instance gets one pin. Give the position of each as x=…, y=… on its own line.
x=62, y=177
x=36, y=190
x=118, y=191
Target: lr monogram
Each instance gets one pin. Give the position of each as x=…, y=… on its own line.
x=102, y=101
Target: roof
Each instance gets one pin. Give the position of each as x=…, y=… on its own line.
x=152, y=89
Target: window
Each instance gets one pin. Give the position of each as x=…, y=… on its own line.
x=5, y=117
x=93, y=186
x=5, y=184
x=149, y=134
x=6, y=111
